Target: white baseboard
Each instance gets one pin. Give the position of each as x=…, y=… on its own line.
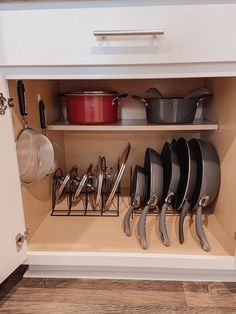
x=138, y=266
x=130, y=273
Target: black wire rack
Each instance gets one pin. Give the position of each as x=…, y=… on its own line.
x=85, y=205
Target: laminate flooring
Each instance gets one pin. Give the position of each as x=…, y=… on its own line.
x=37, y=295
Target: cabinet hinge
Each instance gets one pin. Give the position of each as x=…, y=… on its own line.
x=4, y=103
x=20, y=238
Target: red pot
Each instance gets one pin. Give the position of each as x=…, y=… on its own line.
x=92, y=107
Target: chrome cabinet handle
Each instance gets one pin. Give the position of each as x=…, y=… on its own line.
x=147, y=32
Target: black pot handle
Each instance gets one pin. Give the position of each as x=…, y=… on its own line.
x=122, y=95
x=42, y=115
x=140, y=99
x=153, y=92
x=21, y=98
x=203, y=98
x=117, y=98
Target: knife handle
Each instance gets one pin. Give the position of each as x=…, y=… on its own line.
x=42, y=115
x=21, y=98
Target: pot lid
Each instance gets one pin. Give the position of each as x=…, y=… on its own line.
x=82, y=183
x=92, y=93
x=117, y=172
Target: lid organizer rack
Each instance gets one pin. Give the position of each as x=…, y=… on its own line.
x=85, y=207
x=94, y=193
x=84, y=196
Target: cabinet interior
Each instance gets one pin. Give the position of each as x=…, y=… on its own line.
x=105, y=234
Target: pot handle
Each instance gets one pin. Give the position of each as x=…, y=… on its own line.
x=199, y=227
x=198, y=93
x=203, y=98
x=117, y=98
x=140, y=99
x=153, y=92
x=183, y=214
x=142, y=228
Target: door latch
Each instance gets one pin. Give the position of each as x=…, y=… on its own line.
x=4, y=103
x=20, y=238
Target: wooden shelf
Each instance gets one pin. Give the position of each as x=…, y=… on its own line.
x=105, y=234
x=136, y=125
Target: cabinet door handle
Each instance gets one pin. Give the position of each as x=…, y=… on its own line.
x=145, y=32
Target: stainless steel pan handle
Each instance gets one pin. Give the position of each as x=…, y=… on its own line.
x=162, y=225
x=126, y=221
x=198, y=224
x=183, y=214
x=144, y=32
x=142, y=228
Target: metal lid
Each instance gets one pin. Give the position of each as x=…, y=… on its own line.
x=92, y=93
x=117, y=174
x=83, y=181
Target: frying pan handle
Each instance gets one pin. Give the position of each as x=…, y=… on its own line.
x=142, y=228
x=140, y=99
x=21, y=98
x=199, y=230
x=126, y=221
x=183, y=214
x=42, y=115
x=162, y=225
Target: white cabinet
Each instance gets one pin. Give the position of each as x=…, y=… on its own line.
x=12, y=225
x=55, y=39
x=192, y=34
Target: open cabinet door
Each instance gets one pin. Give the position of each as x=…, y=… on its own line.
x=12, y=225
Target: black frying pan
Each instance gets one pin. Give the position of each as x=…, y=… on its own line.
x=171, y=171
x=188, y=177
x=138, y=190
x=154, y=171
x=207, y=185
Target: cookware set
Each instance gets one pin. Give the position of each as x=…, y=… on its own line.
x=95, y=189
x=101, y=107
x=184, y=178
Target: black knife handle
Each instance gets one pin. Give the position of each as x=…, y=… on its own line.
x=42, y=115
x=21, y=98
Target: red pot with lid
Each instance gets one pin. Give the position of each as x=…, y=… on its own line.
x=92, y=107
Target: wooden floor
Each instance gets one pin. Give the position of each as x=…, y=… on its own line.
x=19, y=295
